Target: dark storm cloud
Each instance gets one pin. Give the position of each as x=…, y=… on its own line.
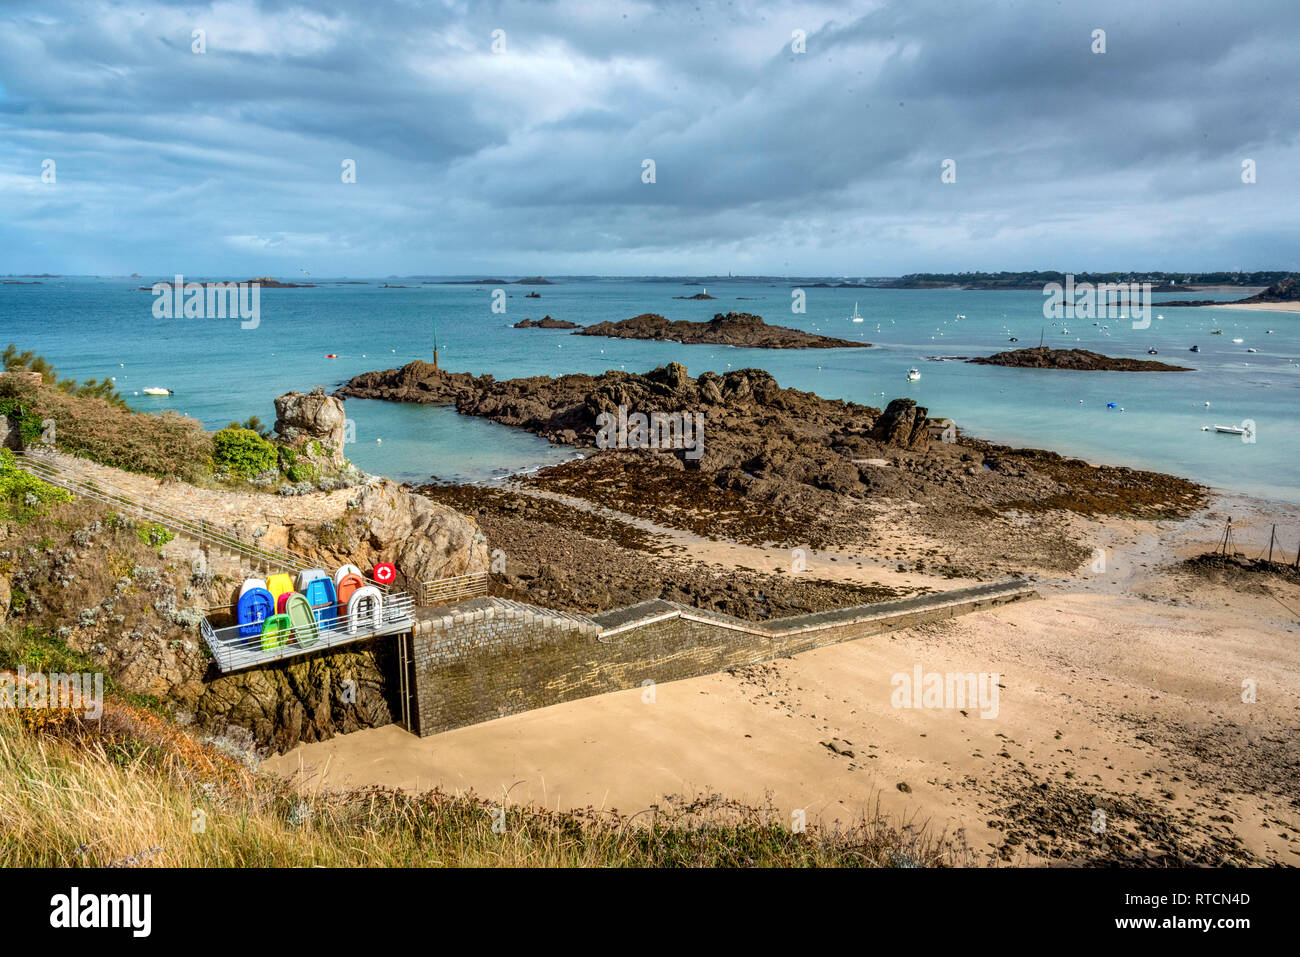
x=530, y=160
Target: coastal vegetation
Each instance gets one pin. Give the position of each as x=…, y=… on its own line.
x=133, y=789
x=166, y=445
x=91, y=420
x=23, y=495
x=242, y=452
x=28, y=361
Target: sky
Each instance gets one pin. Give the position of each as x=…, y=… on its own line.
x=512, y=138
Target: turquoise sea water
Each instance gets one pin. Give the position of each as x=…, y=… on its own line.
x=91, y=327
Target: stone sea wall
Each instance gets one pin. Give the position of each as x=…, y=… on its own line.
x=491, y=657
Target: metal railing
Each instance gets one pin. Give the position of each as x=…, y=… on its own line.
x=233, y=650
x=442, y=591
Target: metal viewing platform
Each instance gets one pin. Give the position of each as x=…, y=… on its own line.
x=236, y=646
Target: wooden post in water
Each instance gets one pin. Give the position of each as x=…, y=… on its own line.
x=435, y=345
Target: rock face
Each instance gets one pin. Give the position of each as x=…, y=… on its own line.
x=1042, y=357
x=424, y=539
x=731, y=329
x=313, y=424
x=902, y=424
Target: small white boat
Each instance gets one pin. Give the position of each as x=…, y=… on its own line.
x=961, y=315
x=156, y=391
x=855, y=317
x=1252, y=349
x=1238, y=341
x=1159, y=317
x=913, y=375
x=1231, y=430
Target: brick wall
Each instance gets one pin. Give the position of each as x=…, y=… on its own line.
x=490, y=657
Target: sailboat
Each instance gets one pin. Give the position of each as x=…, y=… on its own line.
x=855, y=317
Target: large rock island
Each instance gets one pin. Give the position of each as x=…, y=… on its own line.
x=1080, y=360
x=730, y=329
x=774, y=462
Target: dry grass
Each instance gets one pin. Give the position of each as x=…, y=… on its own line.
x=132, y=790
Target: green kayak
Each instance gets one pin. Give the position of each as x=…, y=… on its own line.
x=276, y=632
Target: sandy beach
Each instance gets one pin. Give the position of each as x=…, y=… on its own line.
x=1259, y=306
x=1120, y=694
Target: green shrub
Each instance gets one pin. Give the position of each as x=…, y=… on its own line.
x=242, y=452
x=23, y=495
x=153, y=534
x=29, y=423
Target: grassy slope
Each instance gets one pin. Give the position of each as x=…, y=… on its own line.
x=127, y=790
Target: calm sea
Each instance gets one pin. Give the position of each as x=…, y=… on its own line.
x=95, y=327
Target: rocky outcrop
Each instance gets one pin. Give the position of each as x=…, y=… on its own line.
x=546, y=322
x=1042, y=357
x=423, y=539
x=313, y=424
x=730, y=329
x=902, y=425
x=759, y=438
x=1287, y=290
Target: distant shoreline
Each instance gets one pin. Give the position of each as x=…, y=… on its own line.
x=1256, y=306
